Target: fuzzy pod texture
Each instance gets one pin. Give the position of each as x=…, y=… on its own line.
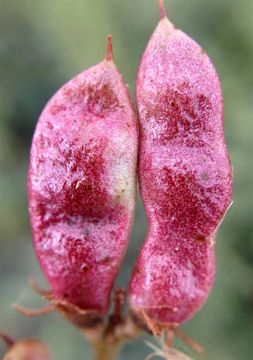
x=82, y=184
x=27, y=350
x=184, y=174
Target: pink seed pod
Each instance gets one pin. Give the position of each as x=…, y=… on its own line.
x=184, y=173
x=82, y=184
x=27, y=350
x=24, y=349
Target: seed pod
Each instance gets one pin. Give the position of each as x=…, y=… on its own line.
x=24, y=349
x=28, y=350
x=81, y=185
x=184, y=173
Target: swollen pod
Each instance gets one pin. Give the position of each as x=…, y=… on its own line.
x=81, y=185
x=184, y=174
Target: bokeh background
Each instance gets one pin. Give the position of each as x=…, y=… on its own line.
x=43, y=43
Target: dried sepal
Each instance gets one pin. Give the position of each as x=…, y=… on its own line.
x=165, y=333
x=78, y=316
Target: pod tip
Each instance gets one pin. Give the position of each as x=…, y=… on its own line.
x=6, y=339
x=162, y=9
x=109, y=53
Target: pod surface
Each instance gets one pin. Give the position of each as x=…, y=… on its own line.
x=81, y=185
x=184, y=175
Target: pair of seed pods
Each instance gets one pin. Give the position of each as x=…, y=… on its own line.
x=82, y=180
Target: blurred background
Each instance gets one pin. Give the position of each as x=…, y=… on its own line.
x=43, y=43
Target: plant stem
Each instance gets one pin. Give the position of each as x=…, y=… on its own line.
x=107, y=338
x=106, y=351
